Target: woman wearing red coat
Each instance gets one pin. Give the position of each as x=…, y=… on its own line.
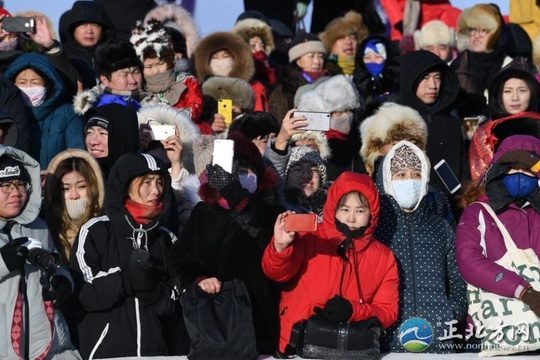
x=341, y=269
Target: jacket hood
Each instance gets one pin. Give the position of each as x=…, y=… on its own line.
x=30, y=211
x=517, y=142
x=387, y=173
x=225, y=87
x=84, y=11
x=250, y=27
x=414, y=65
x=344, y=184
x=391, y=123
x=13, y=131
x=243, y=65
x=176, y=17
x=81, y=154
x=525, y=123
x=126, y=169
x=320, y=140
x=45, y=68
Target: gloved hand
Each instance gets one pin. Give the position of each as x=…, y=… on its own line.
x=531, y=297
x=138, y=278
x=301, y=9
x=336, y=309
x=61, y=288
x=227, y=184
x=519, y=159
x=14, y=253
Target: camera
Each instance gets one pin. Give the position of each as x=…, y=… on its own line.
x=47, y=260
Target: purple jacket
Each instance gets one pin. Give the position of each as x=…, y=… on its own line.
x=480, y=269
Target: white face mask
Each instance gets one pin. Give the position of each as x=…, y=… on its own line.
x=248, y=182
x=221, y=67
x=407, y=192
x=35, y=95
x=342, y=123
x=76, y=208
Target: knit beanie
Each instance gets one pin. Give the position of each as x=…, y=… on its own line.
x=301, y=154
x=152, y=40
x=11, y=169
x=113, y=56
x=435, y=32
x=404, y=158
x=203, y=148
x=305, y=43
x=375, y=46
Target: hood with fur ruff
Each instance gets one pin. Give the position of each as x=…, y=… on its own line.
x=320, y=140
x=177, y=17
x=250, y=27
x=390, y=123
x=225, y=87
x=243, y=66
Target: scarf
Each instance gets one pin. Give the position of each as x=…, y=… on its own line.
x=165, y=87
x=312, y=76
x=143, y=214
x=136, y=95
x=346, y=63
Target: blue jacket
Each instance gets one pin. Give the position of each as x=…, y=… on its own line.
x=60, y=127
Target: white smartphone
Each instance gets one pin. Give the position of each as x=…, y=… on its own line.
x=223, y=154
x=316, y=120
x=447, y=176
x=162, y=132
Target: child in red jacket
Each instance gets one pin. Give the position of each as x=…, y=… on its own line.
x=340, y=272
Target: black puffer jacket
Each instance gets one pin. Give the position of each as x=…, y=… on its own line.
x=117, y=324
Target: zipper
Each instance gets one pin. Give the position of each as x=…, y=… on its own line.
x=411, y=253
x=138, y=321
x=100, y=340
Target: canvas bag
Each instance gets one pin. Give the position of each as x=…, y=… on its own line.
x=220, y=325
x=508, y=332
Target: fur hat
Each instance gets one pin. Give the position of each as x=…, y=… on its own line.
x=480, y=16
x=250, y=27
x=390, y=123
x=176, y=17
x=351, y=23
x=404, y=158
x=335, y=94
x=243, y=66
x=152, y=40
x=224, y=87
x=318, y=137
x=305, y=43
x=113, y=56
x=306, y=154
x=435, y=32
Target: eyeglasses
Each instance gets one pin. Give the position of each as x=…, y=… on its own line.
x=300, y=170
x=20, y=186
x=479, y=32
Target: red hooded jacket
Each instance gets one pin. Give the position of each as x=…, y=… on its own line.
x=311, y=266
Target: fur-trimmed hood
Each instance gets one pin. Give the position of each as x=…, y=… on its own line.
x=225, y=87
x=351, y=23
x=83, y=101
x=335, y=94
x=177, y=17
x=243, y=66
x=390, y=123
x=320, y=139
x=480, y=16
x=250, y=27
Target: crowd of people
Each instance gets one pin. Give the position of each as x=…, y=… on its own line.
x=113, y=202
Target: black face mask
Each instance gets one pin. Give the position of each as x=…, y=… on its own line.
x=349, y=236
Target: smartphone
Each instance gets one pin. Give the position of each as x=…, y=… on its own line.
x=225, y=110
x=447, y=176
x=471, y=120
x=139, y=256
x=162, y=132
x=19, y=24
x=316, y=120
x=301, y=222
x=223, y=154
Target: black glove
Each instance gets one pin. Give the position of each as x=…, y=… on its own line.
x=531, y=297
x=336, y=309
x=61, y=288
x=519, y=159
x=227, y=184
x=14, y=253
x=138, y=281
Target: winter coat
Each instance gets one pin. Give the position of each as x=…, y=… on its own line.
x=227, y=244
x=44, y=329
x=117, y=324
x=311, y=268
x=60, y=127
x=525, y=13
x=445, y=139
x=479, y=242
x=423, y=244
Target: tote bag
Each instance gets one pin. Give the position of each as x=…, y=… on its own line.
x=506, y=325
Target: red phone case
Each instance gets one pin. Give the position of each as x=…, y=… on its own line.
x=301, y=222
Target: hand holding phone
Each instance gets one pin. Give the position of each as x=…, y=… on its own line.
x=300, y=223
x=19, y=24
x=225, y=110
x=223, y=154
x=319, y=121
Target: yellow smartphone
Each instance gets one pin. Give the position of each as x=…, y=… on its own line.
x=225, y=110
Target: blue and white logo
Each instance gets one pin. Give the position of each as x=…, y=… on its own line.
x=415, y=334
